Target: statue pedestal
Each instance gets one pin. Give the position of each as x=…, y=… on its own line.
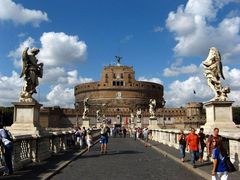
x=219, y=115
x=86, y=123
x=26, y=119
x=139, y=123
x=99, y=124
x=153, y=123
x=132, y=125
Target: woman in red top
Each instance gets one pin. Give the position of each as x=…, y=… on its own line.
x=193, y=146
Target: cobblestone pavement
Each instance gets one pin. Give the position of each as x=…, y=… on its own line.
x=126, y=159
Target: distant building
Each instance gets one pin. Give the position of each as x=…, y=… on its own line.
x=117, y=95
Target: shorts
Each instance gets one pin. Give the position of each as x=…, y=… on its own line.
x=103, y=140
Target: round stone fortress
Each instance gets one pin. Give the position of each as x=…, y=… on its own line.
x=118, y=93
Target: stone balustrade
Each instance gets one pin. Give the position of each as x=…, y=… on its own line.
x=231, y=142
x=29, y=148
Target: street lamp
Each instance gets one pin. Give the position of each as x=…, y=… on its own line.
x=163, y=104
x=76, y=104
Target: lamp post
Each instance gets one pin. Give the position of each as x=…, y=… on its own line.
x=76, y=104
x=163, y=104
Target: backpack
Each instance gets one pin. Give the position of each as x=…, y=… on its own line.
x=8, y=135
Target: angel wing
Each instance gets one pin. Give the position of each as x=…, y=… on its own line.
x=24, y=62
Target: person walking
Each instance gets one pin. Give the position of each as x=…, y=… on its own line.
x=104, y=139
x=193, y=146
x=182, y=144
x=219, y=155
x=79, y=137
x=89, y=140
x=124, y=132
x=211, y=138
x=8, y=149
x=202, y=138
x=145, y=136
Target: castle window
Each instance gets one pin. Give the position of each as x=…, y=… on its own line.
x=117, y=83
x=114, y=75
x=129, y=76
x=121, y=75
x=106, y=75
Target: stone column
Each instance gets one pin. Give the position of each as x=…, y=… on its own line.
x=219, y=115
x=26, y=119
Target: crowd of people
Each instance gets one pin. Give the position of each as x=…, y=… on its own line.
x=196, y=144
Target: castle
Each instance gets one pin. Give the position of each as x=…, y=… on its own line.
x=117, y=96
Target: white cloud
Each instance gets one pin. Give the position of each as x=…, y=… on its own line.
x=60, y=96
x=176, y=70
x=20, y=15
x=10, y=88
x=63, y=94
x=158, y=29
x=61, y=49
x=57, y=49
x=178, y=93
x=194, y=33
x=155, y=80
x=17, y=54
x=181, y=92
x=59, y=53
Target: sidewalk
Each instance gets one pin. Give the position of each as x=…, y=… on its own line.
x=49, y=167
x=202, y=169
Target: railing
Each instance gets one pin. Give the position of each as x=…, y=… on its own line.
x=29, y=149
x=231, y=142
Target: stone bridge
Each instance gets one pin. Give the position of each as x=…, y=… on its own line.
x=52, y=157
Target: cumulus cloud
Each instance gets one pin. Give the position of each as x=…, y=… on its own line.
x=10, y=88
x=178, y=93
x=63, y=94
x=191, y=25
x=154, y=79
x=57, y=49
x=181, y=92
x=20, y=15
x=60, y=53
x=60, y=96
x=61, y=49
x=176, y=69
x=17, y=54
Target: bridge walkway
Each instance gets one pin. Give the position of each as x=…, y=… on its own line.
x=126, y=159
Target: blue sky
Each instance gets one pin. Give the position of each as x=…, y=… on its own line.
x=165, y=42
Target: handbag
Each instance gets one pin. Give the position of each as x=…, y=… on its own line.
x=229, y=164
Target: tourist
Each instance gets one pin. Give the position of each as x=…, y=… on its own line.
x=135, y=133
x=209, y=143
x=182, y=144
x=145, y=136
x=193, y=146
x=79, y=137
x=104, y=139
x=202, y=138
x=84, y=133
x=124, y=132
x=219, y=155
x=8, y=148
x=89, y=139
